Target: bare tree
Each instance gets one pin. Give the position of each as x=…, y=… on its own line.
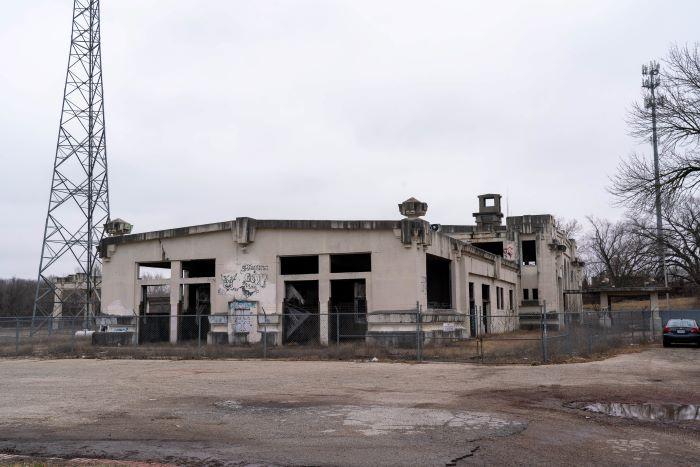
x=616, y=255
x=571, y=228
x=678, y=126
x=680, y=237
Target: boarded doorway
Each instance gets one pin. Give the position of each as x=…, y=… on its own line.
x=347, y=310
x=301, y=320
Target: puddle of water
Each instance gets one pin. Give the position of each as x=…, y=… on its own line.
x=657, y=412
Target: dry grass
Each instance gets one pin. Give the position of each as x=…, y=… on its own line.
x=519, y=347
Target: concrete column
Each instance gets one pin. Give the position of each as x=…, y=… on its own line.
x=604, y=302
x=175, y=277
x=654, y=301
x=324, y=295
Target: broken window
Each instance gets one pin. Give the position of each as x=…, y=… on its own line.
x=300, y=313
x=307, y=264
x=438, y=282
x=155, y=270
x=495, y=248
x=529, y=250
x=352, y=262
x=198, y=268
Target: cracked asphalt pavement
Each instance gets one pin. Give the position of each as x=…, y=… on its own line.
x=345, y=413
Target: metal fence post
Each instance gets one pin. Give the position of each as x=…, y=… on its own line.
x=264, y=334
x=199, y=334
x=72, y=335
x=419, y=355
x=544, y=332
x=17, y=337
x=568, y=322
x=337, y=330
x=480, y=331
x=589, y=333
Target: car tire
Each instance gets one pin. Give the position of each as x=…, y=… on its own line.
x=666, y=343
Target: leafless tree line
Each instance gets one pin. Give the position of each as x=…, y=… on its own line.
x=678, y=128
x=625, y=252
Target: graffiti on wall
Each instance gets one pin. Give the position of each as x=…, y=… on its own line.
x=509, y=251
x=248, y=280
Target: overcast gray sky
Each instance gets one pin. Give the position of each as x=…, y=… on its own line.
x=332, y=109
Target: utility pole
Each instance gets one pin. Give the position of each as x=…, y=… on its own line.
x=651, y=81
x=78, y=200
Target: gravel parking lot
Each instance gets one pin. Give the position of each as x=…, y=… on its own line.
x=346, y=413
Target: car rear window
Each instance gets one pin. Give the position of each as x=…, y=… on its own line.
x=681, y=323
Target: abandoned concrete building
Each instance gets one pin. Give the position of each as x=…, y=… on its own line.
x=370, y=277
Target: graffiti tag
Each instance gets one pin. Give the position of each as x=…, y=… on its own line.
x=251, y=279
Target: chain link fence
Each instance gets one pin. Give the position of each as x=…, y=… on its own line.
x=345, y=331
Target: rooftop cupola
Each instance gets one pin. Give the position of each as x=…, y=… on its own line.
x=490, y=214
x=413, y=209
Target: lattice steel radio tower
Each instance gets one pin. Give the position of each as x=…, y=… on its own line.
x=79, y=200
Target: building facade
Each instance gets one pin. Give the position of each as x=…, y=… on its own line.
x=296, y=281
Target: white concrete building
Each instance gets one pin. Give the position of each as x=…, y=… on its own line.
x=295, y=279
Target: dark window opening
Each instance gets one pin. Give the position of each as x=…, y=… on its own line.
x=535, y=294
x=348, y=310
x=498, y=298
x=198, y=268
x=526, y=294
x=298, y=265
x=486, y=306
x=352, y=262
x=155, y=270
x=196, y=303
x=301, y=323
x=510, y=299
x=472, y=311
x=154, y=314
x=529, y=252
x=495, y=248
x=438, y=282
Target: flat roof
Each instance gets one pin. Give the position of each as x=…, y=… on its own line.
x=281, y=224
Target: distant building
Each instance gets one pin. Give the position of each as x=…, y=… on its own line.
x=301, y=281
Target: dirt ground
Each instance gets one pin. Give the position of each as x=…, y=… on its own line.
x=344, y=413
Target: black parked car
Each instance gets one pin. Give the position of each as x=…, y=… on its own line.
x=681, y=331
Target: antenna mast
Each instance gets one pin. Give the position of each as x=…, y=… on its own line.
x=78, y=201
